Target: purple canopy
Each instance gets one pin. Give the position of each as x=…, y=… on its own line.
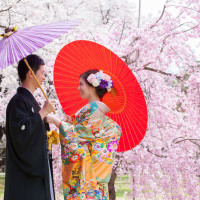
x=26, y=41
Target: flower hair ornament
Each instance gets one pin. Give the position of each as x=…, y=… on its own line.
x=100, y=79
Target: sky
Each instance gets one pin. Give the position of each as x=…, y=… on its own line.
x=151, y=6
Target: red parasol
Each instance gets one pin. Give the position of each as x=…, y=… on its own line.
x=126, y=100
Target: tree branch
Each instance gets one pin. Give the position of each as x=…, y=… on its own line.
x=155, y=154
x=199, y=96
x=163, y=43
x=75, y=8
x=139, y=14
x=179, y=56
x=160, y=71
x=191, y=140
x=135, y=39
x=183, y=7
x=187, y=30
x=184, y=11
x=121, y=33
x=182, y=25
x=105, y=18
x=6, y=9
x=163, y=11
x=1, y=26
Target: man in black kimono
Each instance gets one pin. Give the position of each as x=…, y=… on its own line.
x=28, y=174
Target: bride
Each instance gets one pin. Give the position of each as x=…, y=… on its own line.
x=89, y=140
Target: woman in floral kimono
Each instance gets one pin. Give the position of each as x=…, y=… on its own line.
x=89, y=141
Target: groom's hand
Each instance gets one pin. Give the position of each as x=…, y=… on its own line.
x=48, y=108
x=67, y=119
x=53, y=119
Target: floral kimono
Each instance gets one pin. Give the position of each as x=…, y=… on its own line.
x=88, y=149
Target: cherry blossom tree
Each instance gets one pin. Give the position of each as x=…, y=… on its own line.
x=160, y=51
x=159, y=54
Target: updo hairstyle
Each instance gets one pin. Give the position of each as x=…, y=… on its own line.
x=100, y=92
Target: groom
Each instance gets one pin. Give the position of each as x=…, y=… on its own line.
x=28, y=171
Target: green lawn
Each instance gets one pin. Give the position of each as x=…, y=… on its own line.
x=121, y=183
x=2, y=177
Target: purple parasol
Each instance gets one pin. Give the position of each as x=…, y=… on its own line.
x=17, y=44
x=20, y=43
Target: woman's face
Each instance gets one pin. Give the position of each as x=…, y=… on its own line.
x=85, y=90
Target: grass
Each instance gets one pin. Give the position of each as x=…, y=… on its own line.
x=2, y=177
x=122, y=185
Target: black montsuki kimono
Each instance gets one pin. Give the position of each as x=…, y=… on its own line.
x=27, y=166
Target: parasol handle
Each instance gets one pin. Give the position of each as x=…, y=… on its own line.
x=26, y=62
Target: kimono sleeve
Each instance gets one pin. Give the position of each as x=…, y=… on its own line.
x=79, y=130
x=68, y=132
x=90, y=124
x=88, y=133
x=28, y=139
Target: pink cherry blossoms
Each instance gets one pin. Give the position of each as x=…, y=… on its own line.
x=163, y=53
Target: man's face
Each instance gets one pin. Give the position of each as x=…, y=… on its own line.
x=40, y=75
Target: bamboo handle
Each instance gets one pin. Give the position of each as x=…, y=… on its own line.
x=26, y=62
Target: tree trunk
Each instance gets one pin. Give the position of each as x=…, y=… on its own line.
x=2, y=131
x=133, y=189
x=111, y=186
